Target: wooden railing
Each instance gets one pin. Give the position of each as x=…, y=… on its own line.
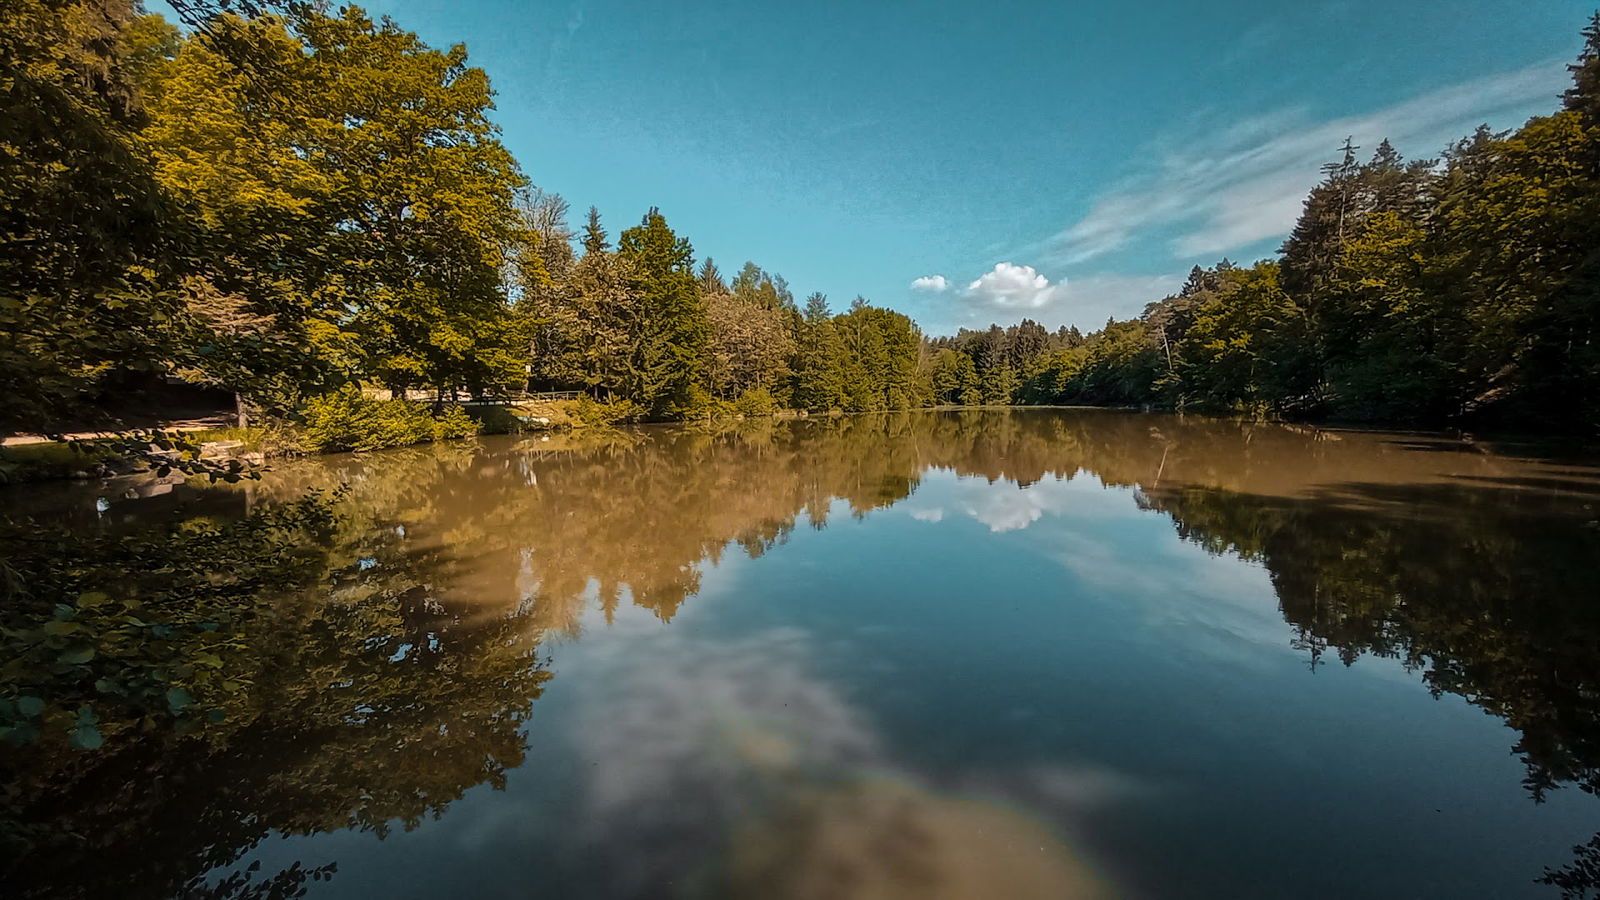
x=434, y=396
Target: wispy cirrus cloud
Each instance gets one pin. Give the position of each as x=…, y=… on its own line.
x=1218, y=192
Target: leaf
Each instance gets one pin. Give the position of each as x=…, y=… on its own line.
x=30, y=706
x=87, y=737
x=86, y=716
x=178, y=700
x=19, y=734
x=59, y=627
x=77, y=654
x=91, y=599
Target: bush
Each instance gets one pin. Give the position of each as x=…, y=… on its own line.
x=756, y=402
x=349, y=421
x=588, y=411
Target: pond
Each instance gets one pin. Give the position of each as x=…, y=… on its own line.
x=1030, y=653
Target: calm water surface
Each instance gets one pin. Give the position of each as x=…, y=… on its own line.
x=1042, y=653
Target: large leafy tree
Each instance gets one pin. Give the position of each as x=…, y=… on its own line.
x=351, y=189
x=87, y=282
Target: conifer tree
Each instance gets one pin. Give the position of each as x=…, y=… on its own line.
x=594, y=236
x=669, y=330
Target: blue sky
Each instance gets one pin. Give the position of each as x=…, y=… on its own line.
x=1058, y=161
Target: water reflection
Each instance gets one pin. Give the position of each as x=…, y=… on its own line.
x=408, y=675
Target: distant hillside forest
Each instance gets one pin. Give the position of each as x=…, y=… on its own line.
x=290, y=202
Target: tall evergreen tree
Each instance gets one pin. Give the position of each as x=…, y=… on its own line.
x=669, y=331
x=594, y=236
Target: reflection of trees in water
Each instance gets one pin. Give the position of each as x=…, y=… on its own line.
x=368, y=701
x=1488, y=593
x=404, y=679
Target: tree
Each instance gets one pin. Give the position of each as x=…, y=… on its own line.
x=954, y=378
x=819, y=359
x=1583, y=97
x=87, y=274
x=668, y=332
x=594, y=236
x=354, y=189
x=749, y=345
x=710, y=279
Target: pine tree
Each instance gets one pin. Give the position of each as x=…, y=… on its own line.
x=710, y=279
x=594, y=237
x=819, y=359
x=669, y=333
x=1584, y=95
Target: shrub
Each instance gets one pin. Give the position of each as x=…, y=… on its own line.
x=588, y=411
x=699, y=405
x=756, y=402
x=349, y=421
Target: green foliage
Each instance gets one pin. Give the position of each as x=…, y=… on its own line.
x=755, y=403
x=668, y=331
x=349, y=421
x=286, y=205
x=108, y=635
x=1408, y=292
x=87, y=285
x=954, y=379
x=587, y=411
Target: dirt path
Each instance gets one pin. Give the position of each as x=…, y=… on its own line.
x=195, y=423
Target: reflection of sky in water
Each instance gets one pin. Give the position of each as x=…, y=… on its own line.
x=981, y=667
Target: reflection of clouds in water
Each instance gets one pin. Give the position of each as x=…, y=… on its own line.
x=1009, y=509
x=695, y=722
x=729, y=766
x=1222, y=607
x=1004, y=505
x=885, y=838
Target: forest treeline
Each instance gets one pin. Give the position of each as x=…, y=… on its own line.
x=1465, y=288
x=302, y=202
x=291, y=202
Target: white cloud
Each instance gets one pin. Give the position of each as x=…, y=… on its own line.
x=1013, y=286
x=1229, y=189
x=1085, y=302
x=934, y=283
